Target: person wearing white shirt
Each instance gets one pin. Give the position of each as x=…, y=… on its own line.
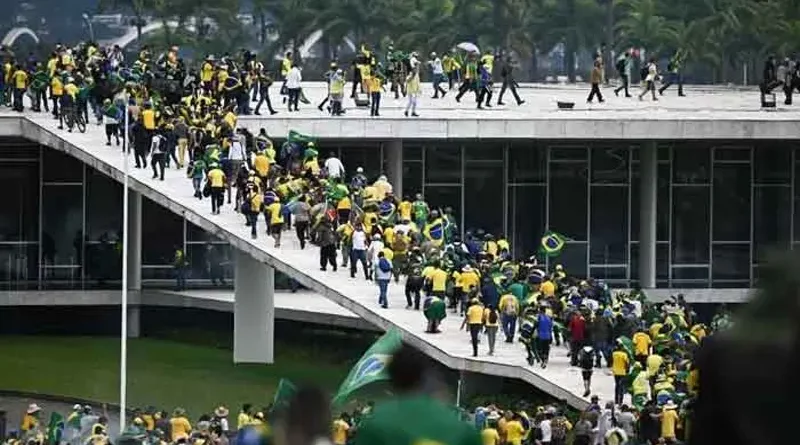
x=294, y=78
x=334, y=167
x=358, y=252
x=546, y=429
x=237, y=155
x=375, y=247
x=383, y=276
x=438, y=75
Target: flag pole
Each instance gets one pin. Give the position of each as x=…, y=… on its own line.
x=458, y=390
x=123, y=360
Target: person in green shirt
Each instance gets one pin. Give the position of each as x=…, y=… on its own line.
x=38, y=88
x=414, y=416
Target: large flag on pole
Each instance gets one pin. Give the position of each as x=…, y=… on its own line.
x=371, y=367
x=283, y=394
x=552, y=244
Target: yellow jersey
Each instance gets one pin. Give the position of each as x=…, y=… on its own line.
x=490, y=436
x=216, y=178
x=339, y=432
x=438, y=279
x=275, y=215
x=71, y=90
x=475, y=314
x=56, y=87
x=149, y=119
x=20, y=79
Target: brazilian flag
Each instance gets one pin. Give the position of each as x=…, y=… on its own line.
x=386, y=211
x=434, y=231
x=552, y=244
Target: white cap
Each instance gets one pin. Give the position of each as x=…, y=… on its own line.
x=360, y=170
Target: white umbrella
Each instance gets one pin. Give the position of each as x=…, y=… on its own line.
x=469, y=47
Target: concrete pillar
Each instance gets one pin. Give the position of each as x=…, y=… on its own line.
x=253, y=311
x=134, y=321
x=648, y=161
x=134, y=241
x=393, y=160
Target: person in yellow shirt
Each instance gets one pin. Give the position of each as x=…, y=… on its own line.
x=375, y=84
x=509, y=310
x=340, y=430
x=620, y=364
x=19, y=79
x=275, y=221
x=243, y=419
x=56, y=90
x=491, y=322
x=437, y=280
x=547, y=288
x=489, y=435
x=669, y=422
x=474, y=319
x=180, y=427
x=216, y=183
x=641, y=342
x=148, y=117
x=261, y=166
x=254, y=202
x=31, y=419
x=514, y=431
x=404, y=209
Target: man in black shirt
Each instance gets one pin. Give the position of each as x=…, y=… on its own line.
x=507, y=74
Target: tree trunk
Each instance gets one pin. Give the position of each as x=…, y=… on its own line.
x=609, y=43
x=569, y=57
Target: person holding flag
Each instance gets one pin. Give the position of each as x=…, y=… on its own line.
x=371, y=367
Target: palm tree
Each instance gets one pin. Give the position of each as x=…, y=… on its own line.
x=642, y=25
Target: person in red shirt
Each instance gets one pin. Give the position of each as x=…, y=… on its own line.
x=577, y=330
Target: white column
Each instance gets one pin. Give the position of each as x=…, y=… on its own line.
x=253, y=311
x=135, y=241
x=648, y=216
x=393, y=159
x=134, y=321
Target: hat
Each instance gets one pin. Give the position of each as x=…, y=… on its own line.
x=221, y=411
x=77, y=407
x=467, y=268
x=670, y=405
x=33, y=408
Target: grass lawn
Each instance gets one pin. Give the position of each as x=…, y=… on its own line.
x=160, y=373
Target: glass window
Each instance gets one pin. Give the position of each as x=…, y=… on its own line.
x=483, y=197
x=772, y=165
x=732, y=153
x=610, y=165
x=201, y=257
x=662, y=261
x=441, y=196
x=443, y=164
x=690, y=225
x=62, y=225
x=61, y=167
x=412, y=178
x=573, y=153
x=609, y=225
x=691, y=164
x=797, y=199
x=19, y=217
x=568, y=196
x=162, y=234
x=690, y=277
x=527, y=162
x=573, y=258
x=484, y=151
x=732, y=202
x=612, y=274
x=772, y=214
x=662, y=204
x=663, y=152
x=412, y=151
x=103, y=263
x=354, y=156
x=196, y=233
x=19, y=266
x=730, y=262
x=527, y=207
x=103, y=206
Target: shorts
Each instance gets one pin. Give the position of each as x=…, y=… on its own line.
x=275, y=229
x=586, y=374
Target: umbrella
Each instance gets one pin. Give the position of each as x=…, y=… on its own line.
x=469, y=47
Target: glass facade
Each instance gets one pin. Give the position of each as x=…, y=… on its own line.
x=721, y=208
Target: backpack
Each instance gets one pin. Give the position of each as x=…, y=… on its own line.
x=384, y=265
x=492, y=318
x=586, y=359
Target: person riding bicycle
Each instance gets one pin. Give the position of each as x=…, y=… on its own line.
x=68, y=101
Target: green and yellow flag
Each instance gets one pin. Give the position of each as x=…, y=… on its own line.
x=552, y=244
x=371, y=367
x=283, y=394
x=55, y=429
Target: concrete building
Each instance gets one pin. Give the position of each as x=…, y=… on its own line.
x=663, y=196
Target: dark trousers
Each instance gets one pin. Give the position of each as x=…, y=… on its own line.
x=157, y=162
x=511, y=85
x=327, y=255
x=55, y=100
x=484, y=94
x=180, y=277
x=294, y=97
x=467, y=85
x=595, y=92
x=474, y=332
x=619, y=389
x=673, y=78
x=301, y=228
x=413, y=288
x=140, y=155
x=18, y=94
x=217, y=198
x=252, y=219
x=543, y=347
x=509, y=326
x=624, y=86
x=375, y=103
x=264, y=97
x=358, y=256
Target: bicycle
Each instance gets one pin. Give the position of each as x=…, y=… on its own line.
x=74, y=118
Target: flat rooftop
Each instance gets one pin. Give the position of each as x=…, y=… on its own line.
x=712, y=113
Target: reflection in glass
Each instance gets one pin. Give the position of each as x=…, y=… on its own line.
x=691, y=277
x=527, y=163
x=61, y=167
x=568, y=196
x=210, y=264
x=609, y=225
x=354, y=156
x=19, y=217
x=103, y=206
x=691, y=164
x=662, y=262
x=62, y=225
x=443, y=164
x=771, y=216
x=483, y=197
x=573, y=258
x=732, y=154
x=439, y=197
x=730, y=262
x=611, y=275
x=162, y=233
x=772, y=164
x=412, y=151
x=732, y=202
x=527, y=207
x=690, y=226
x=19, y=266
x=412, y=178
x=484, y=151
x=103, y=266
x=610, y=165
x=568, y=153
